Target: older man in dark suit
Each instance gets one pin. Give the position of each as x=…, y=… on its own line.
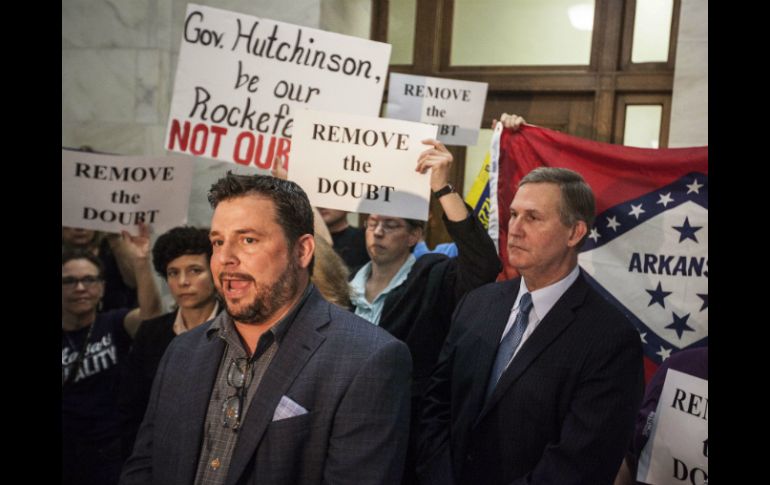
x=540, y=378
x=283, y=387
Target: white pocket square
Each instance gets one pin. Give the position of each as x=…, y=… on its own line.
x=287, y=408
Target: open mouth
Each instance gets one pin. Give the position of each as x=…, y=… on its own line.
x=235, y=286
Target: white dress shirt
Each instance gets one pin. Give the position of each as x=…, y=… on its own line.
x=542, y=301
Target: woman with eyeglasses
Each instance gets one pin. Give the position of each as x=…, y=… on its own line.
x=181, y=258
x=94, y=346
x=117, y=274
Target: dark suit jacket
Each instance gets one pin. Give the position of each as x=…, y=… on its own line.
x=352, y=377
x=562, y=413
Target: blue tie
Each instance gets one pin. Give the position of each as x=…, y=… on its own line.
x=509, y=342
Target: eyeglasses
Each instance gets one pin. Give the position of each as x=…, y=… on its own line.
x=387, y=225
x=87, y=281
x=239, y=377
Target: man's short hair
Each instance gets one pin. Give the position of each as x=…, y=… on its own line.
x=577, y=198
x=292, y=207
x=415, y=224
x=179, y=241
x=70, y=254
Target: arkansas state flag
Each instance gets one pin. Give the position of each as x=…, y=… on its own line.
x=648, y=250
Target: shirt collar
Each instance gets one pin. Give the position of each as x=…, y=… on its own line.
x=179, y=327
x=223, y=325
x=358, y=285
x=545, y=298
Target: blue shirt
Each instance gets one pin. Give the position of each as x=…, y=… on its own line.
x=372, y=311
x=450, y=249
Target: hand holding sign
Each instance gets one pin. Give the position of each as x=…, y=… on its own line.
x=438, y=159
x=137, y=247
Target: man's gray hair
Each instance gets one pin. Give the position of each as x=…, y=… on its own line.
x=577, y=198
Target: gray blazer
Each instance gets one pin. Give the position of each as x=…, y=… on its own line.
x=351, y=376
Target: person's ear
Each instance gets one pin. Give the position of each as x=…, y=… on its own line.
x=578, y=231
x=305, y=248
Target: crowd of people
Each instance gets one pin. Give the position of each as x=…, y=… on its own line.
x=302, y=350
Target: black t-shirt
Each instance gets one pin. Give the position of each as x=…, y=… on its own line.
x=350, y=244
x=89, y=401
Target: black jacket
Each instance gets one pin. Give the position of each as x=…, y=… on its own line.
x=419, y=310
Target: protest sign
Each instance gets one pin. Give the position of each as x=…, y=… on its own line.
x=454, y=106
x=111, y=193
x=240, y=80
x=677, y=450
x=361, y=164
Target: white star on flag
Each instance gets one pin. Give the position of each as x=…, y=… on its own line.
x=642, y=336
x=594, y=235
x=664, y=353
x=613, y=223
x=636, y=210
x=694, y=187
x=665, y=199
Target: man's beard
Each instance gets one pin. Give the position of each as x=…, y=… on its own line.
x=268, y=297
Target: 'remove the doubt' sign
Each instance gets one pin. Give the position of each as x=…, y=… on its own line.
x=112, y=193
x=361, y=164
x=456, y=107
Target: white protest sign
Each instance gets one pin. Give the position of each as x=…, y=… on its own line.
x=240, y=80
x=112, y=193
x=677, y=450
x=455, y=106
x=361, y=164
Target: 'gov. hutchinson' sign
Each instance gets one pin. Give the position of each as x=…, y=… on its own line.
x=240, y=80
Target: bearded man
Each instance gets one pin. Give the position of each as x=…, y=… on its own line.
x=282, y=387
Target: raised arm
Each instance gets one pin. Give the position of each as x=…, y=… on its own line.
x=150, y=305
x=438, y=159
x=122, y=259
x=477, y=261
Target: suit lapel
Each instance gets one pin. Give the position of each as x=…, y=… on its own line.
x=203, y=372
x=555, y=322
x=296, y=348
x=489, y=335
